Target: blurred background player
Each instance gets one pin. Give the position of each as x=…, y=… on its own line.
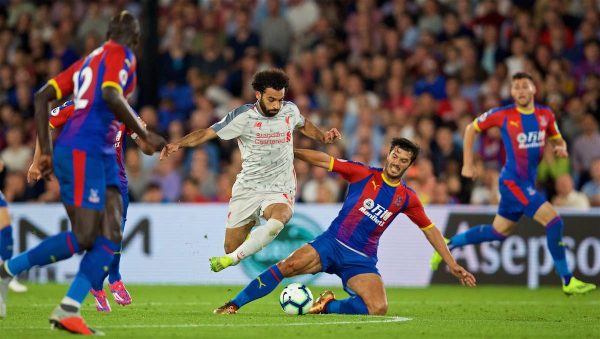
x=348, y=248
x=6, y=240
x=266, y=186
x=86, y=167
x=58, y=118
x=524, y=127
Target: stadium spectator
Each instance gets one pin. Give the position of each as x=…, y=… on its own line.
x=16, y=156
x=586, y=147
x=592, y=188
x=567, y=196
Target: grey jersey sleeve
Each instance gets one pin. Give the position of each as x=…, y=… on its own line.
x=232, y=125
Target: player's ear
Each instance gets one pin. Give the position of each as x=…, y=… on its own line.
x=258, y=95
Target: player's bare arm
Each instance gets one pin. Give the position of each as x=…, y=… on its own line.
x=559, y=147
x=468, y=170
x=436, y=239
x=117, y=104
x=193, y=139
x=42, y=99
x=314, y=158
x=310, y=130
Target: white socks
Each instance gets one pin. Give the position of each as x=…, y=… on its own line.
x=259, y=238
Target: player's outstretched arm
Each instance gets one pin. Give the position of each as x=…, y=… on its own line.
x=436, y=239
x=310, y=130
x=468, y=170
x=193, y=139
x=314, y=158
x=117, y=104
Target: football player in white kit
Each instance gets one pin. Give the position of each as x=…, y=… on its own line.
x=266, y=185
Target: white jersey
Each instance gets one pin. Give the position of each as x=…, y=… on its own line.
x=266, y=145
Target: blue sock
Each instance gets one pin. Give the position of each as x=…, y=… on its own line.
x=264, y=284
x=92, y=269
x=50, y=250
x=352, y=305
x=113, y=270
x=6, y=243
x=475, y=235
x=554, y=232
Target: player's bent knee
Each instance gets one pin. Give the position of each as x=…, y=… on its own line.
x=289, y=267
x=378, y=308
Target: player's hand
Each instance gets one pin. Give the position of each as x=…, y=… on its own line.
x=33, y=174
x=331, y=136
x=45, y=166
x=468, y=171
x=168, y=150
x=464, y=276
x=560, y=151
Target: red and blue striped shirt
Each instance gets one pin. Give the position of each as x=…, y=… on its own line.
x=372, y=203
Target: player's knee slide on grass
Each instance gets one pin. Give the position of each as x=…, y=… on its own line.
x=378, y=308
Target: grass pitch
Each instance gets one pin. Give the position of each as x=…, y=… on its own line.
x=436, y=312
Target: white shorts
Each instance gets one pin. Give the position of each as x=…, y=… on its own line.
x=249, y=207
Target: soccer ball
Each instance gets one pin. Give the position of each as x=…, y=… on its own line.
x=296, y=299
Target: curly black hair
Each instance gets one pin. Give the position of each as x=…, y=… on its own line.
x=271, y=78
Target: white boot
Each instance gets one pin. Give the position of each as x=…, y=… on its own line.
x=16, y=286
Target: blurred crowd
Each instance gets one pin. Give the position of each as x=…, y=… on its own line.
x=421, y=69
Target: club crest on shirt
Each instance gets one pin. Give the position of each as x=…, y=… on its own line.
x=398, y=201
x=543, y=122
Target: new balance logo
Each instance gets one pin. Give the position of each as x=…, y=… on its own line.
x=258, y=124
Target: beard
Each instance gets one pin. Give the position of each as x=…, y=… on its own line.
x=269, y=113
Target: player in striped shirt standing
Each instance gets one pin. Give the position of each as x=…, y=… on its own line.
x=525, y=127
x=348, y=248
x=266, y=186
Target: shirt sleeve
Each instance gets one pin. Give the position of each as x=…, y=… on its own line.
x=63, y=83
x=117, y=67
x=349, y=170
x=489, y=119
x=416, y=213
x=60, y=114
x=298, y=118
x=232, y=125
x=552, y=129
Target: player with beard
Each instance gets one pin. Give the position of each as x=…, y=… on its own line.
x=348, y=248
x=524, y=126
x=266, y=186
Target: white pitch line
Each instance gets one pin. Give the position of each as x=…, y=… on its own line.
x=376, y=320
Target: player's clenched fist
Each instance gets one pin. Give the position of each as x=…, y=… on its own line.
x=468, y=171
x=168, y=150
x=465, y=277
x=331, y=136
x=45, y=166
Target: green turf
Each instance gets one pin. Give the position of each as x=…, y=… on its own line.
x=437, y=312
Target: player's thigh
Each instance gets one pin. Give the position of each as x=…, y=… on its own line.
x=369, y=287
x=503, y=225
x=545, y=214
x=305, y=260
x=234, y=237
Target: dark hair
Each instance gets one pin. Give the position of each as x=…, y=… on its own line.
x=122, y=25
x=522, y=75
x=407, y=145
x=271, y=78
